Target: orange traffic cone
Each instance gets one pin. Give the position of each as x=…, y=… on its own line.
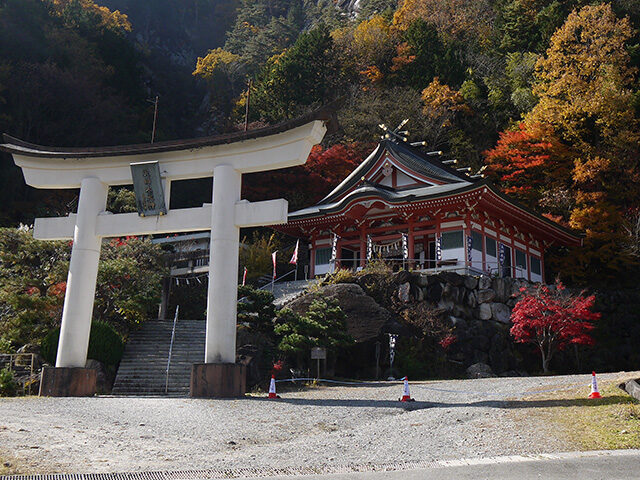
x=406, y=396
x=594, y=387
x=272, y=388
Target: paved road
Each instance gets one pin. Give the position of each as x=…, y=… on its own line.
x=609, y=465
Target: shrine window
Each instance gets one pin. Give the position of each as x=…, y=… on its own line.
x=521, y=259
x=492, y=250
x=451, y=240
x=476, y=241
x=535, y=265
x=323, y=256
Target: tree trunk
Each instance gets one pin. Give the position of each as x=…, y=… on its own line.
x=545, y=360
x=545, y=364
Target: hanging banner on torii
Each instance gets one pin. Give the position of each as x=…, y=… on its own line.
x=94, y=170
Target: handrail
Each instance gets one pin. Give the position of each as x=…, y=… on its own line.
x=443, y=265
x=173, y=336
x=12, y=359
x=277, y=279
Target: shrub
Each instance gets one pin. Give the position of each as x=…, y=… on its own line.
x=105, y=344
x=342, y=275
x=8, y=385
x=5, y=346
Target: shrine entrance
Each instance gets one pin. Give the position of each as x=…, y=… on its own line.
x=152, y=168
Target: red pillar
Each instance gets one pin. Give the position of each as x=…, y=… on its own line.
x=363, y=248
x=411, y=246
x=312, y=258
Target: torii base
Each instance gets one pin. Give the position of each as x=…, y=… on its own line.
x=68, y=382
x=218, y=380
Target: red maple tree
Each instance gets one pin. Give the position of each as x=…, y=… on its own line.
x=527, y=161
x=305, y=185
x=552, y=319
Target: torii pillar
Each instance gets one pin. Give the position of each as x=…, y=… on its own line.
x=93, y=170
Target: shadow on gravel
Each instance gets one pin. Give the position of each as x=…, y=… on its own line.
x=329, y=402
x=573, y=402
x=421, y=405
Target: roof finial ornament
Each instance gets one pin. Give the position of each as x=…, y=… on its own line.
x=395, y=135
x=402, y=136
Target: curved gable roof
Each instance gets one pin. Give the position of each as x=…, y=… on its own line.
x=411, y=158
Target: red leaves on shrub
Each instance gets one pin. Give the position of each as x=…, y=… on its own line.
x=552, y=319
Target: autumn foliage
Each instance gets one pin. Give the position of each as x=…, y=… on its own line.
x=527, y=161
x=307, y=184
x=553, y=318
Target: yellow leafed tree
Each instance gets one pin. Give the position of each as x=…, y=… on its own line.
x=112, y=20
x=585, y=86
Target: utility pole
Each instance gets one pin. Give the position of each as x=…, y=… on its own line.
x=246, y=111
x=155, y=119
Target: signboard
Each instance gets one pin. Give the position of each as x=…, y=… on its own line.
x=318, y=353
x=147, y=185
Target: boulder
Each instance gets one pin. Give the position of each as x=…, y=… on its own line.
x=434, y=292
x=461, y=296
x=433, y=279
x=364, y=317
x=458, y=322
x=632, y=387
x=471, y=299
x=484, y=311
x=252, y=357
x=419, y=294
x=484, y=282
x=517, y=285
x=502, y=287
x=422, y=280
x=460, y=310
x=403, y=276
x=449, y=291
x=403, y=292
x=453, y=278
x=485, y=295
x=470, y=282
x=500, y=312
x=480, y=370
x=446, y=305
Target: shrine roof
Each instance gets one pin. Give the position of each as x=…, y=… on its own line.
x=409, y=156
x=16, y=146
x=435, y=192
x=386, y=193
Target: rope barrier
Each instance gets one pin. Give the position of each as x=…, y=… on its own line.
x=426, y=387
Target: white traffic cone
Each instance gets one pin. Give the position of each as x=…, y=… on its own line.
x=406, y=396
x=272, y=388
x=594, y=387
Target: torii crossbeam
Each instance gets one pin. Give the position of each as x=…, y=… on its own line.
x=93, y=170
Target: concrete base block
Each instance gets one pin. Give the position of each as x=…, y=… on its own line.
x=632, y=387
x=218, y=380
x=68, y=382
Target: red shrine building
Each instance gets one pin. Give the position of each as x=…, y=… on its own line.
x=414, y=210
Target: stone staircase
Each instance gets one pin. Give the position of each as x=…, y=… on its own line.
x=143, y=366
x=284, y=292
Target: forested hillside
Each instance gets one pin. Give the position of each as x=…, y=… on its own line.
x=544, y=93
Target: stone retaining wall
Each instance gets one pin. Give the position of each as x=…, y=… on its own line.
x=479, y=310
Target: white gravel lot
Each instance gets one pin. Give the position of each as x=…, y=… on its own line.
x=316, y=427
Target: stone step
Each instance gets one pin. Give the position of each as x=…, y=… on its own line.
x=144, y=363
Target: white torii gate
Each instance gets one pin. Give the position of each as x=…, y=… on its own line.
x=94, y=170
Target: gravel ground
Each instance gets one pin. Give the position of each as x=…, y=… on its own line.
x=319, y=426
